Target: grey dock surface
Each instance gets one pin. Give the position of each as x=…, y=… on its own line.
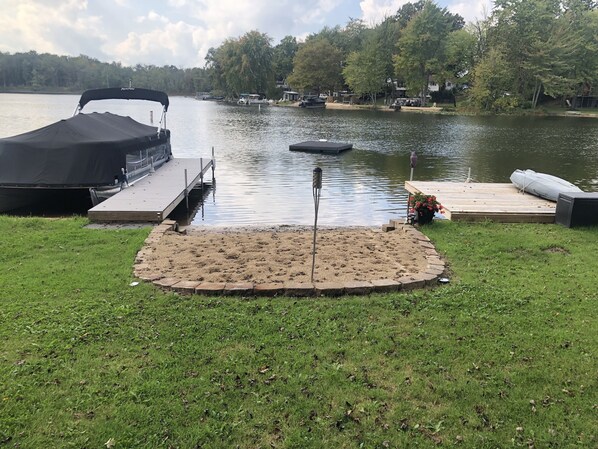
x=154, y=197
x=320, y=146
x=464, y=201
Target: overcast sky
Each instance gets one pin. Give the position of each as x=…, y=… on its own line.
x=179, y=32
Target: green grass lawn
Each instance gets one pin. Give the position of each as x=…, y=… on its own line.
x=503, y=356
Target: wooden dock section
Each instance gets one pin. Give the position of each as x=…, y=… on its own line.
x=154, y=197
x=481, y=201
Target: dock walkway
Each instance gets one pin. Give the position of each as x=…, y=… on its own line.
x=463, y=201
x=154, y=197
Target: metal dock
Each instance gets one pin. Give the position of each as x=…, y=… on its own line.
x=463, y=201
x=154, y=197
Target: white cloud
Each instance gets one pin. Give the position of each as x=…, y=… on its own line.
x=152, y=16
x=318, y=11
x=167, y=45
x=48, y=26
x=375, y=11
x=177, y=32
x=471, y=10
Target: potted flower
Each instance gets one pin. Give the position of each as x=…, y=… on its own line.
x=423, y=207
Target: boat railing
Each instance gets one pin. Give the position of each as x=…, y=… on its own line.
x=147, y=160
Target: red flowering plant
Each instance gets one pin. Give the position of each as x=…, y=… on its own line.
x=423, y=207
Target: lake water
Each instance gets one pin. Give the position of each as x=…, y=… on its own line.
x=260, y=182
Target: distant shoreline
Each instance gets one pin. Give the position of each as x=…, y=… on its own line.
x=366, y=107
x=440, y=110
x=27, y=92
x=354, y=107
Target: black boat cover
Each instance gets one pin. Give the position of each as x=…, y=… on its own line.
x=82, y=151
x=124, y=93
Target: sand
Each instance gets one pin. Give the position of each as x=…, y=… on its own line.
x=282, y=254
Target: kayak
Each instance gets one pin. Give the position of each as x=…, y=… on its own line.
x=541, y=184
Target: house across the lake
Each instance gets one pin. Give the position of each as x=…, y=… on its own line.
x=290, y=95
x=585, y=101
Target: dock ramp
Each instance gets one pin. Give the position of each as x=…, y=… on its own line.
x=154, y=197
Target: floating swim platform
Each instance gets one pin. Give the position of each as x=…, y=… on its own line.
x=321, y=146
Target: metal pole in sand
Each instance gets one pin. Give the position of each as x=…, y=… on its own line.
x=316, y=191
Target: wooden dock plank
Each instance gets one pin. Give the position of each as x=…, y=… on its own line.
x=154, y=197
x=500, y=202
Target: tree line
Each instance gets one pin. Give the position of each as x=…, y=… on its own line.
x=45, y=72
x=522, y=52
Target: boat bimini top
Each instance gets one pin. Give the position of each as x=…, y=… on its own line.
x=126, y=93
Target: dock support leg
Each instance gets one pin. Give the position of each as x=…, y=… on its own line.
x=186, y=191
x=213, y=168
x=201, y=176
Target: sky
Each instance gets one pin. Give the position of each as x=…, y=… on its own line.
x=180, y=32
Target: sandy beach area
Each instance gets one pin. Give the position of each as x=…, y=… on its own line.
x=281, y=254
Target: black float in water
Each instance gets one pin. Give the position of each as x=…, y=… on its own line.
x=321, y=146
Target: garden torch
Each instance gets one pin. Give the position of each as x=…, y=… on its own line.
x=316, y=191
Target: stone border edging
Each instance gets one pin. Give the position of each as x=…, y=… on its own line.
x=434, y=269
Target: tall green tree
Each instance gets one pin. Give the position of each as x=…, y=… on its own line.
x=492, y=79
x=407, y=12
x=242, y=65
x=422, y=47
x=215, y=71
x=387, y=33
x=316, y=67
x=365, y=71
x=346, y=39
x=581, y=16
x=283, y=55
x=545, y=49
x=460, y=55
x=525, y=19
x=256, y=70
x=353, y=36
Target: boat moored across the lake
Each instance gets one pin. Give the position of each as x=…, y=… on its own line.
x=312, y=102
x=252, y=100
